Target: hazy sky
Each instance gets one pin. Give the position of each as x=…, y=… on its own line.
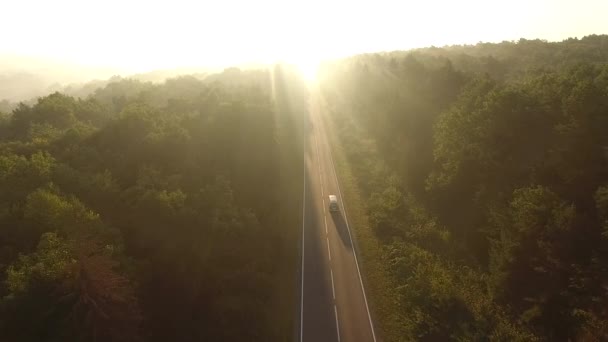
x=144, y=35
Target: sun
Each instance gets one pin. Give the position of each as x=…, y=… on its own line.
x=308, y=68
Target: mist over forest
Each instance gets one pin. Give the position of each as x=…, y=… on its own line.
x=482, y=173
x=24, y=78
x=167, y=205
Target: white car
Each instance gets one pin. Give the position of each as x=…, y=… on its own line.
x=333, y=203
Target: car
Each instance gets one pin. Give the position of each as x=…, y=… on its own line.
x=333, y=203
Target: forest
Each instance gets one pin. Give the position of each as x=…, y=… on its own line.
x=153, y=212
x=140, y=211
x=483, y=171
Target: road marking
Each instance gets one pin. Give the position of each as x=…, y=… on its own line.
x=317, y=147
x=324, y=207
x=319, y=165
x=303, y=224
x=318, y=158
x=325, y=219
x=338, y=324
x=329, y=251
x=351, y=242
x=333, y=289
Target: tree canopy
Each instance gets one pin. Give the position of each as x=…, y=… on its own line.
x=151, y=211
x=485, y=170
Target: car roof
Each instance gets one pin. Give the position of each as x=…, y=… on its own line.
x=333, y=198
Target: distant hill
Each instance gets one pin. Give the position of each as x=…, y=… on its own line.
x=25, y=78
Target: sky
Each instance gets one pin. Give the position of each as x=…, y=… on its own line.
x=144, y=35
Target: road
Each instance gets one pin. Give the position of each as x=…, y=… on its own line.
x=333, y=302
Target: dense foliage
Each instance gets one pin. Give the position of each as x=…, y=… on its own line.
x=152, y=212
x=486, y=177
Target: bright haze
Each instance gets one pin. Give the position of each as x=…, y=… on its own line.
x=72, y=40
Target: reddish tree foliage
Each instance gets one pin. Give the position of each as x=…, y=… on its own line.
x=104, y=306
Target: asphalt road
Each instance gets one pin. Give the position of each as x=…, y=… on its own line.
x=333, y=302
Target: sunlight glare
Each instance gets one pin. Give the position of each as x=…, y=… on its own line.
x=308, y=69
x=197, y=33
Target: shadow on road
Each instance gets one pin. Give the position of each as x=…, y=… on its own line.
x=342, y=228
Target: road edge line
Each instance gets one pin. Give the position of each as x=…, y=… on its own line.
x=303, y=225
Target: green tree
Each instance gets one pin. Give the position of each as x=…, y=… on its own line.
x=71, y=290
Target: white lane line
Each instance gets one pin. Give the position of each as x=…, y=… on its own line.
x=329, y=252
x=325, y=220
x=303, y=224
x=333, y=289
x=337, y=324
x=369, y=316
x=318, y=158
x=319, y=164
x=324, y=207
